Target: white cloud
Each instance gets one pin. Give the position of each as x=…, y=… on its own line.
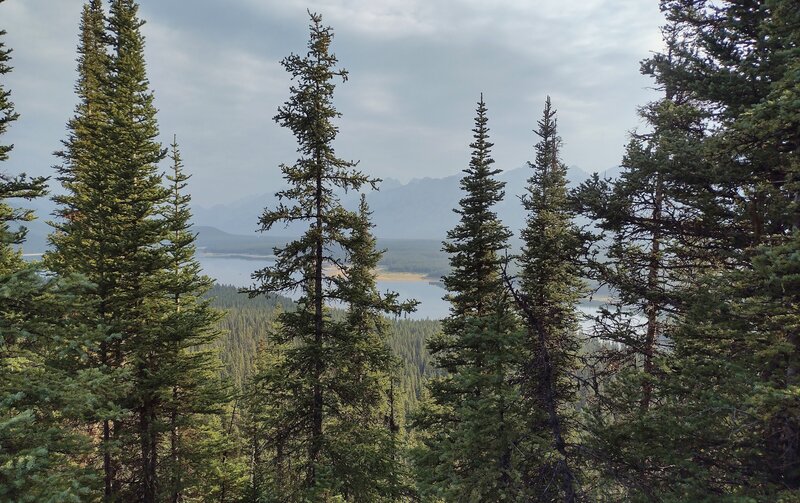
x=175, y=64
x=373, y=95
x=383, y=19
x=520, y=25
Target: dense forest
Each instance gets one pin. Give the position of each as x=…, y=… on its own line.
x=247, y=323
x=128, y=375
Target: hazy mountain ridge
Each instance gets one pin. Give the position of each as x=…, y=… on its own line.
x=419, y=209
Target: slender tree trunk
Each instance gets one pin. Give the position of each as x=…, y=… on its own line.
x=147, y=434
x=111, y=429
x=652, y=306
x=177, y=479
x=255, y=466
x=108, y=472
x=548, y=399
x=316, y=426
x=152, y=468
x=223, y=493
x=174, y=449
x=392, y=419
x=116, y=429
x=116, y=484
x=505, y=457
x=144, y=453
x=280, y=469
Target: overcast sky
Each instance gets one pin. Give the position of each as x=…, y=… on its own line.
x=416, y=67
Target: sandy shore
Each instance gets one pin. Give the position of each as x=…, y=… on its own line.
x=401, y=276
x=384, y=275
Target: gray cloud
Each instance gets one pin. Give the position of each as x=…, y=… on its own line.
x=416, y=68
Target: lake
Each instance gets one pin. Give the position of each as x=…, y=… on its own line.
x=236, y=271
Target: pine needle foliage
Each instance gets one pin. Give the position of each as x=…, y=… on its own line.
x=547, y=293
x=325, y=390
x=471, y=426
x=42, y=398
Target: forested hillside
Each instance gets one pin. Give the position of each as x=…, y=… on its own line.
x=247, y=322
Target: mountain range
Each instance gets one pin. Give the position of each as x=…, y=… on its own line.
x=421, y=209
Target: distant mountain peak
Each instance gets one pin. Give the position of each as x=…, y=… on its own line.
x=418, y=209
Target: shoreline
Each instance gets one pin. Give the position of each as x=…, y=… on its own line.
x=381, y=273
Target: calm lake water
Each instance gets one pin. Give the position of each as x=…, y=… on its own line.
x=236, y=271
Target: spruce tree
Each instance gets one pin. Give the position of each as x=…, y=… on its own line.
x=547, y=292
x=736, y=64
x=76, y=244
x=472, y=425
x=259, y=406
x=372, y=466
x=642, y=264
x=726, y=425
x=313, y=421
x=132, y=232
x=82, y=154
x=41, y=400
x=111, y=232
x=186, y=367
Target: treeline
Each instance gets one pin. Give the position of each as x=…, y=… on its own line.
x=117, y=383
x=247, y=324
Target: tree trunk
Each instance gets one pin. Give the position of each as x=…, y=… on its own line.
x=547, y=397
x=174, y=449
x=224, y=489
x=317, y=404
x=147, y=456
x=108, y=472
x=652, y=306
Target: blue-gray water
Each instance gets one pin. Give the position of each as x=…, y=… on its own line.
x=236, y=271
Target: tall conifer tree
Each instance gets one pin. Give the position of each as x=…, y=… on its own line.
x=41, y=399
x=190, y=372
x=260, y=431
x=727, y=425
x=312, y=422
x=642, y=215
x=112, y=233
x=133, y=231
x=472, y=426
x=76, y=242
x=373, y=465
x=547, y=295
